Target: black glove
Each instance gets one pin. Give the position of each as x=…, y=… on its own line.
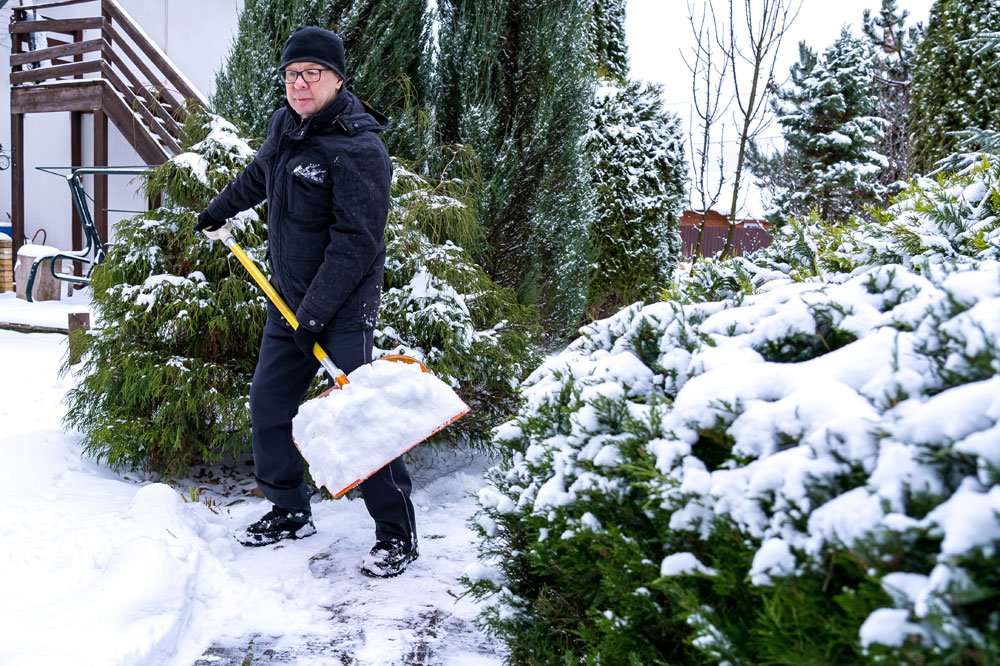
x=305, y=339
x=208, y=222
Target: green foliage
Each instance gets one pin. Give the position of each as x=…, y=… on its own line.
x=440, y=306
x=167, y=372
x=546, y=619
x=769, y=469
x=829, y=122
x=390, y=51
x=610, y=44
x=953, y=86
x=516, y=84
x=638, y=176
x=246, y=93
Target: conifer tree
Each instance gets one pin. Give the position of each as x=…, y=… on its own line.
x=828, y=119
x=390, y=64
x=167, y=375
x=246, y=93
x=610, y=43
x=638, y=176
x=521, y=82
x=895, y=52
x=954, y=87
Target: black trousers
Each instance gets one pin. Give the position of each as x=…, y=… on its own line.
x=280, y=383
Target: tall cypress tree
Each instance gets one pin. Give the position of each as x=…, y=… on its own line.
x=638, y=176
x=610, y=44
x=954, y=87
x=519, y=76
x=391, y=51
x=637, y=172
x=245, y=91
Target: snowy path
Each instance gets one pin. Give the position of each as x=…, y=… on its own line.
x=99, y=568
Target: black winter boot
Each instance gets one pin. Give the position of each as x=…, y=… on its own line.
x=278, y=524
x=388, y=558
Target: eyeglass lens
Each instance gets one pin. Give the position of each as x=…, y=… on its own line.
x=289, y=76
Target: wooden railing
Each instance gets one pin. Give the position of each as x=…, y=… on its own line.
x=104, y=62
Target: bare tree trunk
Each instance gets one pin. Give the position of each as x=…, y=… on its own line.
x=766, y=22
x=707, y=79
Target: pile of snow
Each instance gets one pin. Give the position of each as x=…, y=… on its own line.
x=384, y=410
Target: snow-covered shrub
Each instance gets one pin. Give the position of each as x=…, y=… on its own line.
x=441, y=307
x=804, y=468
x=954, y=216
x=167, y=376
x=638, y=177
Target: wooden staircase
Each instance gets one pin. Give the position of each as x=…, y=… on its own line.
x=101, y=64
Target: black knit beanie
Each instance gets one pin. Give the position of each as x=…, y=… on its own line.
x=312, y=44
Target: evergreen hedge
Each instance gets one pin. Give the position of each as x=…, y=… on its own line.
x=638, y=176
x=768, y=467
x=166, y=376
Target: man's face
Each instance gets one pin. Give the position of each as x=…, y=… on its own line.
x=308, y=98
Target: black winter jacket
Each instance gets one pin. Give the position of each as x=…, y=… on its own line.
x=326, y=180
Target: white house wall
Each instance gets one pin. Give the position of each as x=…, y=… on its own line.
x=195, y=34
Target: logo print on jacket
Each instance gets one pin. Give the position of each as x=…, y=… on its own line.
x=314, y=173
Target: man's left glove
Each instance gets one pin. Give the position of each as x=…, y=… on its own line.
x=208, y=222
x=305, y=339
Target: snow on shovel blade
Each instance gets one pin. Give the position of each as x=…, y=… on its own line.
x=385, y=409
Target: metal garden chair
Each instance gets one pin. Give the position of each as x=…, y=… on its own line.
x=94, y=250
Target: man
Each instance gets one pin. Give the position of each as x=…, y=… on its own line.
x=325, y=174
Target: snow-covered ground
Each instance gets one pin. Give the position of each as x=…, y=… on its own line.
x=42, y=314
x=103, y=568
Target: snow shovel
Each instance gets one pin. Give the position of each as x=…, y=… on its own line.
x=364, y=421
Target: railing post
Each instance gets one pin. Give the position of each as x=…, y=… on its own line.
x=105, y=33
x=76, y=159
x=16, y=149
x=17, y=179
x=101, y=181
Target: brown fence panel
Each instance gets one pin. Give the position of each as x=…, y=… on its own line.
x=746, y=239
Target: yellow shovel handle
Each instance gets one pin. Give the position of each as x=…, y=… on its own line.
x=336, y=374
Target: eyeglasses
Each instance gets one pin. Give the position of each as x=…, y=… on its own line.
x=289, y=77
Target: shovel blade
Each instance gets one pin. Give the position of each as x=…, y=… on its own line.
x=349, y=433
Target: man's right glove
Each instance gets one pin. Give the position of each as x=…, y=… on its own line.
x=208, y=222
x=306, y=338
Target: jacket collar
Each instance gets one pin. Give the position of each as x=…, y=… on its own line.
x=346, y=111
x=322, y=118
